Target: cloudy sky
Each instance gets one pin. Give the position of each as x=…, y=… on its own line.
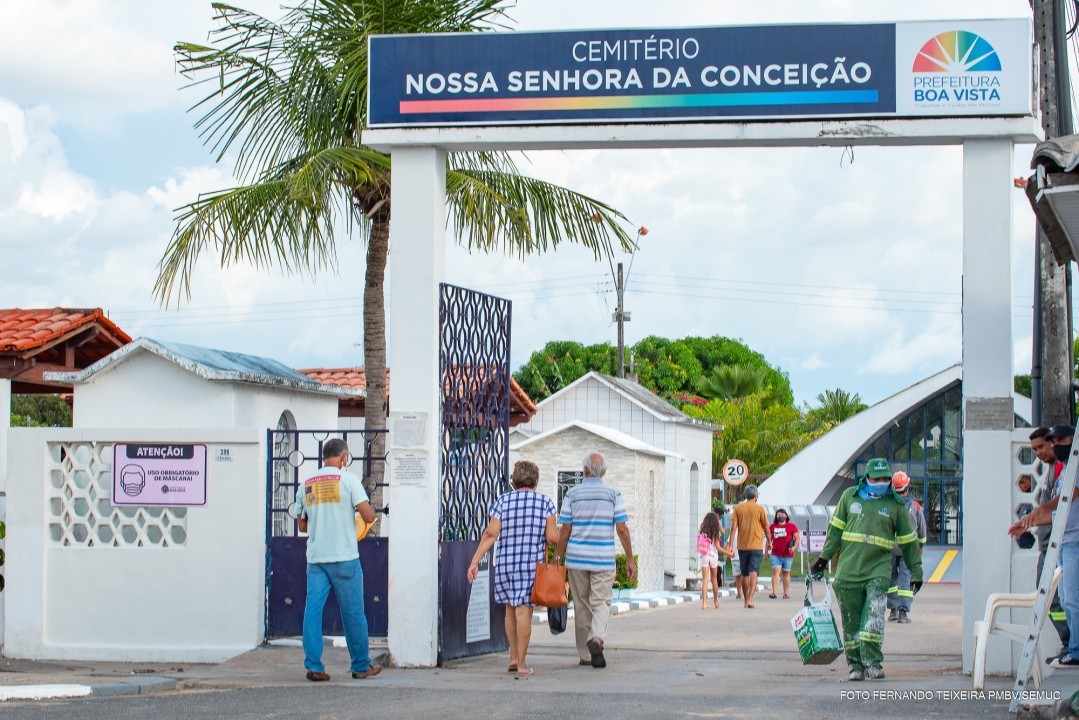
x=842, y=268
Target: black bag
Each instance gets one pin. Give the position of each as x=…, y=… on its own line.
x=557, y=617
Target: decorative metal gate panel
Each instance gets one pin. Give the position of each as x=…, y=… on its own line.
x=293, y=454
x=474, y=360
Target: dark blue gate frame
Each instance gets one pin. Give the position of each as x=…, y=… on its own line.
x=474, y=376
x=286, y=555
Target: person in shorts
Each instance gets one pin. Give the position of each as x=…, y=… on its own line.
x=784, y=535
x=709, y=548
x=749, y=524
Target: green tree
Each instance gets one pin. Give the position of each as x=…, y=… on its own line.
x=289, y=100
x=39, y=411
x=1022, y=385
x=669, y=368
x=761, y=433
x=835, y=406
x=560, y=363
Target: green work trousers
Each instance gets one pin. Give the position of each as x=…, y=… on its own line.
x=861, y=608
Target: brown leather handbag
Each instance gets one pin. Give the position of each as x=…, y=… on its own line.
x=549, y=589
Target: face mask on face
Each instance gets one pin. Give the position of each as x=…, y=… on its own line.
x=781, y=519
x=1061, y=452
x=875, y=489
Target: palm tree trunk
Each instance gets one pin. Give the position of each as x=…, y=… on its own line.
x=374, y=352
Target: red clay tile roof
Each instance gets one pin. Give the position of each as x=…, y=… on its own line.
x=357, y=378
x=22, y=330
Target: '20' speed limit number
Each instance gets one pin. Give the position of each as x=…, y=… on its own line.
x=735, y=472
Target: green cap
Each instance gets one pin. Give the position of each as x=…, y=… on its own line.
x=878, y=468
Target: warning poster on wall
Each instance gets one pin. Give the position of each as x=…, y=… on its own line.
x=158, y=474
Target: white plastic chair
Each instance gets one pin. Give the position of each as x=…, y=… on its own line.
x=1016, y=632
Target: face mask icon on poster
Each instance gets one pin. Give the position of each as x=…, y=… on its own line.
x=132, y=480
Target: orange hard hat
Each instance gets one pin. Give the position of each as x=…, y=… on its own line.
x=900, y=480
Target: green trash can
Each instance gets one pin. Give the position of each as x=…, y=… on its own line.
x=815, y=630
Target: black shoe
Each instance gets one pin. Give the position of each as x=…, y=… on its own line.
x=892, y=614
x=1065, y=661
x=1051, y=658
x=902, y=617
x=596, y=648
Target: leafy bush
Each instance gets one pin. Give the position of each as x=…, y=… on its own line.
x=621, y=580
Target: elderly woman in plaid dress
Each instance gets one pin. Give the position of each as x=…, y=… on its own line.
x=523, y=522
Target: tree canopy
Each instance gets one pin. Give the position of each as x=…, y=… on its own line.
x=670, y=368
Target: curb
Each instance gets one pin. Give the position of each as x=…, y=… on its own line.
x=135, y=686
x=622, y=606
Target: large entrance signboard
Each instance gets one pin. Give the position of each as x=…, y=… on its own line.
x=881, y=70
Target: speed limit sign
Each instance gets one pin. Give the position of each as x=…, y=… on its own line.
x=735, y=472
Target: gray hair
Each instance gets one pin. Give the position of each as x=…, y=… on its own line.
x=334, y=448
x=595, y=465
x=750, y=491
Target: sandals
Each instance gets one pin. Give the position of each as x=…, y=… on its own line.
x=511, y=668
x=772, y=595
x=526, y=673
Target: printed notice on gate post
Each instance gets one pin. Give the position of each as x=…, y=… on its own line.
x=408, y=430
x=478, y=619
x=158, y=474
x=409, y=467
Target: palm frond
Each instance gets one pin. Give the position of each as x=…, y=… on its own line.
x=288, y=218
x=490, y=209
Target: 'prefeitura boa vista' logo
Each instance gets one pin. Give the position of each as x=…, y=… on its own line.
x=957, y=69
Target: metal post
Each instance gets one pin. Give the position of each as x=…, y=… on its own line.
x=619, y=316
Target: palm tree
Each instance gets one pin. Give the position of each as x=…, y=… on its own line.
x=835, y=406
x=289, y=99
x=731, y=382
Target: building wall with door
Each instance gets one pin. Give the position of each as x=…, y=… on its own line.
x=87, y=580
x=630, y=408
x=638, y=475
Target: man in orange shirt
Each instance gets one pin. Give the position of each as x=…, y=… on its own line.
x=750, y=523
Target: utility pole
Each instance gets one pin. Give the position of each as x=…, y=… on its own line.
x=621, y=317
x=1051, y=366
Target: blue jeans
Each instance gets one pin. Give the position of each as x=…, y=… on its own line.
x=1069, y=588
x=346, y=579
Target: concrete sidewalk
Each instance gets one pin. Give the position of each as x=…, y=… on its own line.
x=677, y=661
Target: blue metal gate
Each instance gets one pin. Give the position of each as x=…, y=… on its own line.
x=474, y=361
x=292, y=455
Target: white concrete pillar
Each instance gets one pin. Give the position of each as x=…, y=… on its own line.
x=417, y=264
x=5, y=425
x=987, y=385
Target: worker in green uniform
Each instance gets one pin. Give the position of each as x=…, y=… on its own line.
x=868, y=520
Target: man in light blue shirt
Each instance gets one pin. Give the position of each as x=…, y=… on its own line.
x=592, y=514
x=328, y=503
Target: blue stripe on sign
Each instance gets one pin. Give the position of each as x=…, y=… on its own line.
x=592, y=543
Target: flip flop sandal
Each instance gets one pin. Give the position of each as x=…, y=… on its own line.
x=771, y=596
x=526, y=673
x=511, y=668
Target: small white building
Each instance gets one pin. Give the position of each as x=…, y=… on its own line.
x=636, y=411
x=634, y=468
x=88, y=578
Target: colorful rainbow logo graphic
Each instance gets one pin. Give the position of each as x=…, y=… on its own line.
x=957, y=51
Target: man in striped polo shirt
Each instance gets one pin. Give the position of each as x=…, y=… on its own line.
x=592, y=514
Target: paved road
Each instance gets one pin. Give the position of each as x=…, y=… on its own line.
x=677, y=662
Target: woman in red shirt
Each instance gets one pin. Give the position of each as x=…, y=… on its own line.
x=784, y=535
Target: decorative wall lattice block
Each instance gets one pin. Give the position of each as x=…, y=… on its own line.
x=80, y=510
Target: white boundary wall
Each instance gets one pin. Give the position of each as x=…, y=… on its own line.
x=200, y=602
